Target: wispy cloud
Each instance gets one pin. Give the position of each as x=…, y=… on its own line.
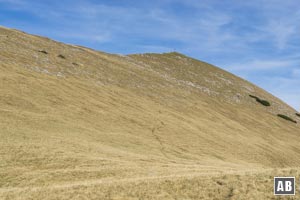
x=263, y=65
x=281, y=32
x=286, y=88
x=11, y=1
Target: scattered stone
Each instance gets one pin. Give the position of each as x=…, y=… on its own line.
x=43, y=51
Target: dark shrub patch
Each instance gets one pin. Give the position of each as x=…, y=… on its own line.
x=43, y=51
x=261, y=101
x=61, y=56
x=252, y=96
x=286, y=118
x=298, y=114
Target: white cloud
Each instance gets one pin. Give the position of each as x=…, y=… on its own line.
x=262, y=65
x=11, y=1
x=296, y=73
x=99, y=38
x=281, y=32
x=286, y=88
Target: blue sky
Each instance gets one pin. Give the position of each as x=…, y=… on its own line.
x=258, y=40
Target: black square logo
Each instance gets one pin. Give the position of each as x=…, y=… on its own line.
x=284, y=185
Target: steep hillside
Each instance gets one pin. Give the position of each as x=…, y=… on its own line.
x=74, y=120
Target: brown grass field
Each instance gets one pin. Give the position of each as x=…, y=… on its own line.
x=92, y=125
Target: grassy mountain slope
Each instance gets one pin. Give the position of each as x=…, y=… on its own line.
x=80, y=123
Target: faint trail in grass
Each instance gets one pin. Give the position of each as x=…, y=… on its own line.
x=157, y=138
x=202, y=175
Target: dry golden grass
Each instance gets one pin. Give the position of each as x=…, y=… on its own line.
x=154, y=126
x=230, y=185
